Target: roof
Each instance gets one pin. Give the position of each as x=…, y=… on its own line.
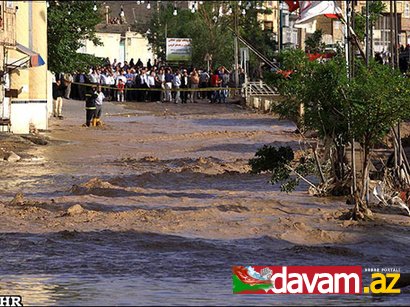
x=137, y=16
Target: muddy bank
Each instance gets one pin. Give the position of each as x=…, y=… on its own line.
x=148, y=171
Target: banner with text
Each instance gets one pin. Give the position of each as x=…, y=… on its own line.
x=178, y=49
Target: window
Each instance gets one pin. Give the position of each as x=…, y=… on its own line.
x=9, y=4
x=268, y=25
x=1, y=17
x=407, y=9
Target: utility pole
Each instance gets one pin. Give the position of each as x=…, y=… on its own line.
x=236, y=46
x=396, y=35
x=352, y=49
x=392, y=39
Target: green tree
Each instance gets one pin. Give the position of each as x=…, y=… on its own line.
x=339, y=109
x=314, y=42
x=379, y=98
x=69, y=24
x=376, y=8
x=207, y=36
x=209, y=33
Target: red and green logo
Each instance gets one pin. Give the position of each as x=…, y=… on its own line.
x=248, y=281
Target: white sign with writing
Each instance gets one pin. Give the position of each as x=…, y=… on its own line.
x=178, y=49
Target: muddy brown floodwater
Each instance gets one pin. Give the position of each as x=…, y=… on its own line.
x=156, y=206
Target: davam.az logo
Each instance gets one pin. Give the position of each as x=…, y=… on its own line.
x=309, y=280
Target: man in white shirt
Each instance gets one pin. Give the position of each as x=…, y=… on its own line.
x=111, y=84
x=103, y=79
x=98, y=104
x=161, y=80
x=151, y=85
x=104, y=83
x=142, y=84
x=93, y=77
x=177, y=83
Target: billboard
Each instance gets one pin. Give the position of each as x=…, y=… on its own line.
x=178, y=49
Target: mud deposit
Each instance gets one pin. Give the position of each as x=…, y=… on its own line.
x=156, y=206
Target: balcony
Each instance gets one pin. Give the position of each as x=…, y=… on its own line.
x=7, y=27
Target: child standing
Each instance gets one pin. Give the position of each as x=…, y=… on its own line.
x=120, y=90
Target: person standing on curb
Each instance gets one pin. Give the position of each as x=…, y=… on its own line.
x=168, y=84
x=58, y=99
x=184, y=85
x=120, y=90
x=177, y=83
x=194, y=78
x=68, y=80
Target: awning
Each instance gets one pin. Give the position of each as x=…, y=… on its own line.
x=35, y=58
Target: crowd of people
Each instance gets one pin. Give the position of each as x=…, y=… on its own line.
x=153, y=82
x=384, y=57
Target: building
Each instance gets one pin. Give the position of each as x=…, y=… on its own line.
x=122, y=31
x=333, y=29
x=27, y=82
x=8, y=40
x=381, y=30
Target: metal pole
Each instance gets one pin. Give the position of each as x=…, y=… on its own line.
x=396, y=36
x=280, y=26
x=352, y=36
x=367, y=33
x=392, y=53
x=347, y=37
x=236, y=46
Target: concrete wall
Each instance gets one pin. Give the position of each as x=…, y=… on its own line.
x=31, y=107
x=136, y=46
x=261, y=103
x=110, y=47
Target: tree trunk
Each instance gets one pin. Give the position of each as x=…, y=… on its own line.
x=365, y=172
x=360, y=210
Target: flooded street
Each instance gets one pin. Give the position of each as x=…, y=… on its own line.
x=164, y=206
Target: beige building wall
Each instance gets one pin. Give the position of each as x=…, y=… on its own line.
x=110, y=47
x=133, y=45
x=32, y=105
x=7, y=39
x=403, y=8
x=271, y=18
x=137, y=47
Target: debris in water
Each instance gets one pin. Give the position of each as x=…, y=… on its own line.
x=18, y=200
x=74, y=210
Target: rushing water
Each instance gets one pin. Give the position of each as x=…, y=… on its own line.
x=142, y=269
x=128, y=267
